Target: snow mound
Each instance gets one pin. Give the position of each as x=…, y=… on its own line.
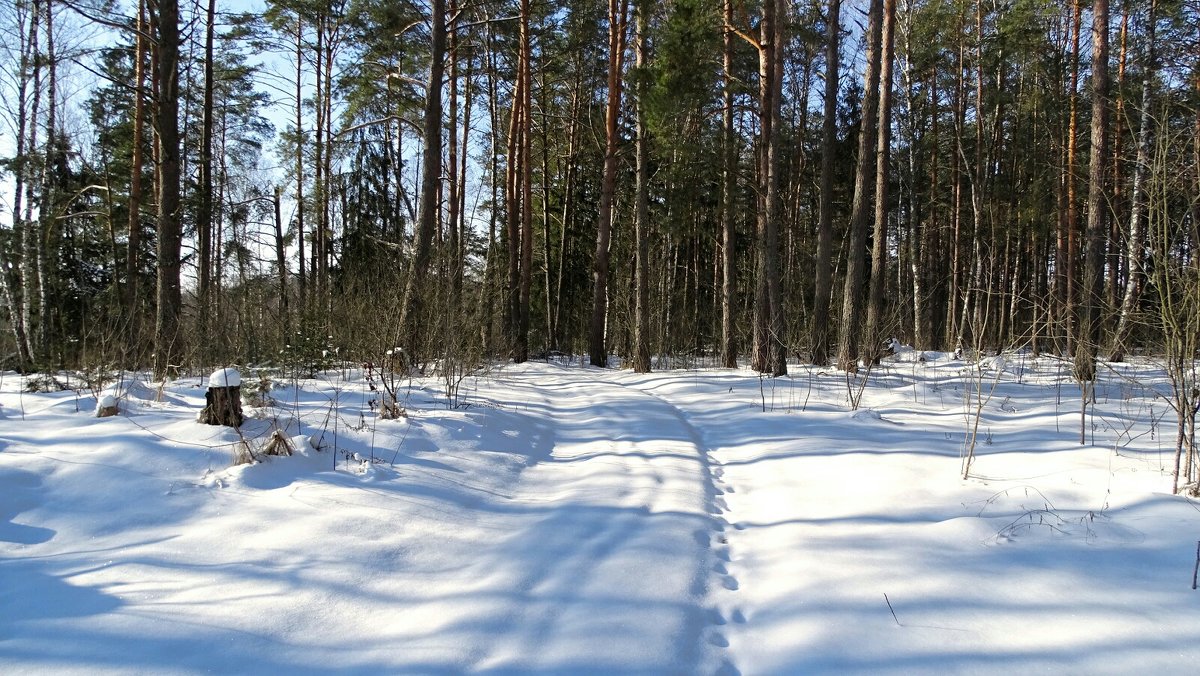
x=998, y=364
x=228, y=377
x=136, y=389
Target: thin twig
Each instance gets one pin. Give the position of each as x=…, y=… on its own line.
x=1196, y=569
x=889, y=604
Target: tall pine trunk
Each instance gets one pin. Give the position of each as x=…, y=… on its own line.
x=729, y=159
x=873, y=335
x=133, y=245
x=167, y=346
x=1090, y=296
x=641, y=326
x=852, y=300
x=617, y=21
x=525, y=178
x=204, y=212
x=431, y=174
x=823, y=271
x=769, y=355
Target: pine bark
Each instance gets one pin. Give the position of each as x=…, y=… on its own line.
x=641, y=326
x=526, y=187
x=728, y=199
x=431, y=174
x=769, y=355
x=852, y=300
x=873, y=336
x=204, y=212
x=167, y=346
x=823, y=268
x=134, y=241
x=301, y=275
x=1091, y=292
x=280, y=256
x=1071, y=262
x=617, y=20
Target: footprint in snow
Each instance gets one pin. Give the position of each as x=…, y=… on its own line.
x=730, y=582
x=718, y=639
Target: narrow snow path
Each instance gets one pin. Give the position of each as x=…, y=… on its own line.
x=626, y=540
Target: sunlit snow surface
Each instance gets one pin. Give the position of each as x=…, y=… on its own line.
x=573, y=520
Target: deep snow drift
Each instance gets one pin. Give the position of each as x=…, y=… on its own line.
x=569, y=520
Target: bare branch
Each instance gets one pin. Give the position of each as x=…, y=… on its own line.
x=382, y=120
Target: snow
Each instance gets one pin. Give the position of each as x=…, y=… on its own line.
x=229, y=377
x=574, y=520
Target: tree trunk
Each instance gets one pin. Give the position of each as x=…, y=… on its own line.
x=1136, y=247
x=222, y=406
x=281, y=260
x=204, y=210
x=512, y=220
x=302, y=278
x=728, y=198
x=873, y=337
x=617, y=20
x=490, y=268
x=1093, y=271
x=453, y=186
x=134, y=243
x=1070, y=314
x=31, y=283
x=431, y=174
x=641, y=325
x=13, y=278
x=320, y=190
x=856, y=251
x=823, y=273
x=526, y=181
x=166, y=329
x=769, y=354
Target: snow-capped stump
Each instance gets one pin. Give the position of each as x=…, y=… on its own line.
x=223, y=400
x=106, y=407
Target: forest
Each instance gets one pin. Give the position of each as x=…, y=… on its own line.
x=599, y=336
x=665, y=181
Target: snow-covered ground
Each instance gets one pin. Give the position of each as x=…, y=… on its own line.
x=575, y=520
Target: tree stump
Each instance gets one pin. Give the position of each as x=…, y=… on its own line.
x=223, y=400
x=107, y=406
